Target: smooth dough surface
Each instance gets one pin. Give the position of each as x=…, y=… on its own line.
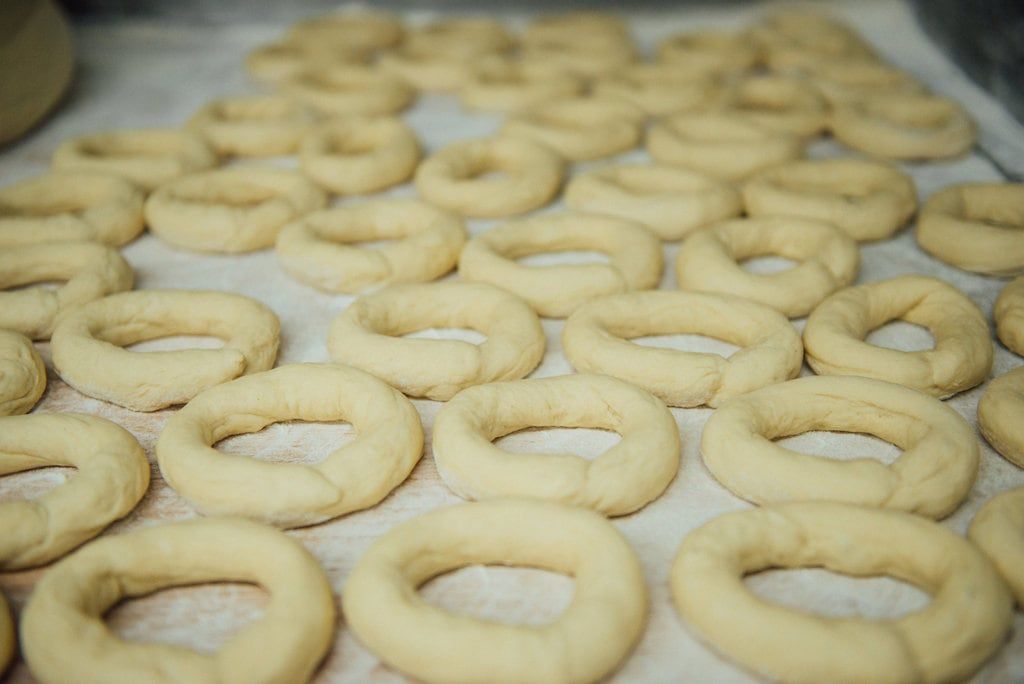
x=998, y=530
x=658, y=89
x=22, y=374
x=350, y=89
x=1001, y=415
x=1009, y=315
x=581, y=128
x=253, y=125
x=504, y=85
x=359, y=155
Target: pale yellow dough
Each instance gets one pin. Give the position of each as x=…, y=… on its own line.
x=253, y=125
x=22, y=374
x=581, y=128
x=64, y=639
x=658, y=89
x=350, y=89
x=1009, y=315
x=462, y=37
x=709, y=53
x=359, y=31
x=998, y=530
x=779, y=103
x=504, y=85
x=1001, y=415
x=112, y=476
x=358, y=156
x=845, y=80
x=621, y=480
x=285, y=60
x=585, y=644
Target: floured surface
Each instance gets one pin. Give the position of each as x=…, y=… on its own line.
x=136, y=75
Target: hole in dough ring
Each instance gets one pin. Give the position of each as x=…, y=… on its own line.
x=869, y=200
x=998, y=530
x=531, y=175
x=355, y=476
x=357, y=156
x=962, y=356
x=710, y=260
x=623, y=479
x=658, y=89
x=323, y=248
x=252, y=126
x=112, y=476
x=977, y=227
x=588, y=641
x=90, y=270
x=87, y=354
x=969, y=615
x=71, y=206
x=147, y=157
x=366, y=335
x=64, y=638
x=507, y=86
x=1001, y=415
x=1009, y=315
x=581, y=128
x=232, y=210
x=22, y=374
x=709, y=52
x=931, y=477
x=779, y=103
x=555, y=291
x=669, y=200
x=596, y=339
x=350, y=89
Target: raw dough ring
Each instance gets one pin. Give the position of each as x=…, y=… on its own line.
x=658, y=89
x=71, y=206
x=596, y=339
x=64, y=639
x=709, y=53
x=828, y=259
x=323, y=248
x=426, y=69
x=351, y=89
x=635, y=259
x=969, y=615
x=22, y=374
x=976, y=226
x=623, y=479
x=231, y=210
x=507, y=86
x=1001, y=415
x=86, y=346
x=252, y=125
x=112, y=476
x=1009, y=315
x=779, y=103
x=931, y=477
x=285, y=60
x=587, y=642
x=450, y=177
x=998, y=530
x=368, y=333
x=581, y=128
x=357, y=156
x=867, y=199
x=146, y=157
x=669, y=200
x=90, y=270
x=962, y=356
x=354, y=476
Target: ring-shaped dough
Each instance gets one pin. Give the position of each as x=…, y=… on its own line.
x=427, y=70
x=634, y=259
x=577, y=26
x=779, y=103
x=588, y=641
x=585, y=57
x=90, y=271
x=867, y=199
x=623, y=479
x=834, y=337
x=71, y=206
x=286, y=60
x=1008, y=313
x=22, y=374
x=828, y=259
x=351, y=89
x=466, y=37
x=581, y=128
x=323, y=248
x=966, y=621
x=596, y=339
x=800, y=39
x=998, y=530
x=709, y=53
x=976, y=226
x=360, y=31
x=147, y=157
x=503, y=85
x=253, y=125
x=931, y=477
x=658, y=89
x=112, y=476
x=845, y=80
x=368, y=333
x=64, y=639
x=87, y=353
x=1001, y=415
x=240, y=209
x=357, y=156
x=356, y=475
x=455, y=177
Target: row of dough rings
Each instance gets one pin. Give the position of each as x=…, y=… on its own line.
x=1000, y=412
x=635, y=259
x=112, y=476
x=709, y=53
x=792, y=40
x=576, y=26
x=64, y=638
x=976, y=227
x=1008, y=313
x=623, y=479
x=779, y=103
x=89, y=271
x=455, y=177
x=596, y=339
x=71, y=205
x=997, y=529
x=253, y=125
x=146, y=157
x=588, y=641
x=230, y=210
x=87, y=355
x=962, y=356
x=285, y=60
x=846, y=80
x=324, y=249
x=357, y=475
x=585, y=59
x=506, y=86
x=869, y=200
x=368, y=333
x=827, y=259
x=465, y=37
x=726, y=145
x=581, y=128
x=969, y=615
x=350, y=89
x=931, y=477
x=362, y=32
x=22, y=374
x=425, y=69
x=658, y=89
x=356, y=155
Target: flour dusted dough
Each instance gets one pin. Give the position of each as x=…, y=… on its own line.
x=22, y=374
x=1001, y=415
x=1009, y=315
x=359, y=155
x=998, y=530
